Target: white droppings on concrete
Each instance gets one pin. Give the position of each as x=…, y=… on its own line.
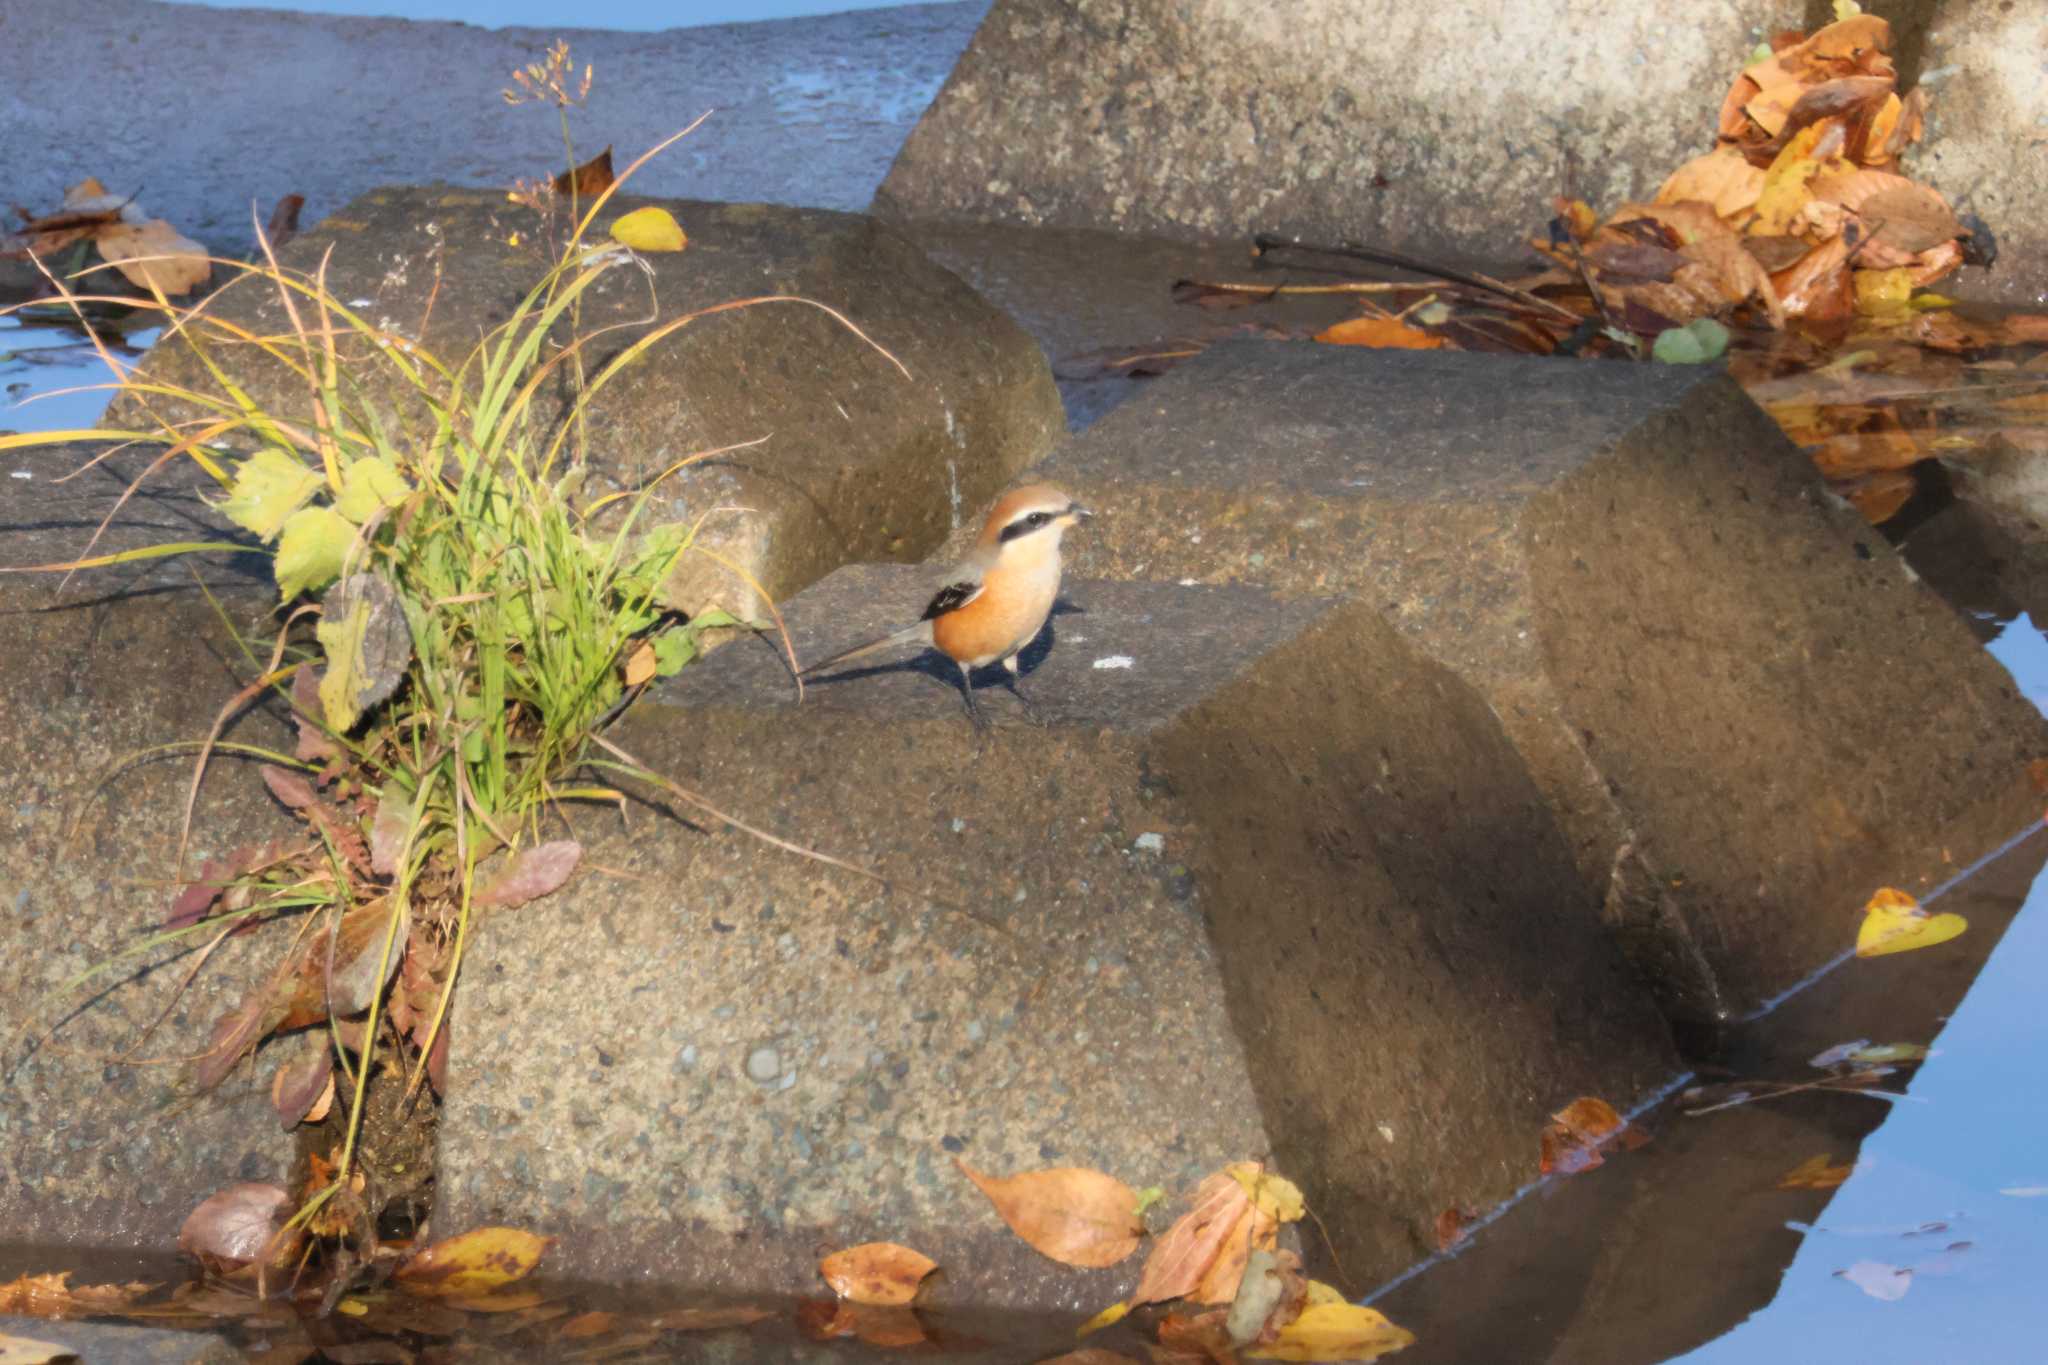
x=20, y=474
x=361, y=303
x=1149, y=843
x=1187, y=582
x=1115, y=661
x=953, y=480
x=1386, y=1131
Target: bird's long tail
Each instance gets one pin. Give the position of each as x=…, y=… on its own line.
x=922, y=631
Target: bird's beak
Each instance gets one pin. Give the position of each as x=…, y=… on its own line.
x=1078, y=512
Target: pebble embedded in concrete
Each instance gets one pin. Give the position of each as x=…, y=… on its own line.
x=764, y=1064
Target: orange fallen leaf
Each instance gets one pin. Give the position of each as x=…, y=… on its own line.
x=1185, y=1255
x=1073, y=1215
x=54, y=1296
x=472, y=1263
x=1577, y=1132
x=593, y=1324
x=708, y=1319
x=1452, y=1226
x=878, y=1273
x=590, y=179
x=825, y=1319
x=640, y=664
x=1816, y=1173
x=1383, y=333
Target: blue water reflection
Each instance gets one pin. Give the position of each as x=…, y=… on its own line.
x=1953, y=1187
x=631, y=16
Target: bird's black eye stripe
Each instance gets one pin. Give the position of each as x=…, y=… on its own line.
x=1024, y=526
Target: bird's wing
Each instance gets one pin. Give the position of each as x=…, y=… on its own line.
x=951, y=598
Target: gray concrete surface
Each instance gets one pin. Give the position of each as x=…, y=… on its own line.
x=260, y=104
x=1441, y=130
x=855, y=459
x=107, y=1343
x=95, y=1152
x=1702, y=656
x=1218, y=900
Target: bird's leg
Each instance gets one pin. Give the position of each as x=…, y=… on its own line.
x=974, y=715
x=1014, y=683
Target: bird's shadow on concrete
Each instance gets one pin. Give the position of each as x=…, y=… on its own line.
x=943, y=670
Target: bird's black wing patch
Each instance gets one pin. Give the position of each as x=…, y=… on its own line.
x=952, y=597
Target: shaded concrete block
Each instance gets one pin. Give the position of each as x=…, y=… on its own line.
x=855, y=461
x=106, y=1343
x=99, y=1143
x=1221, y=899
x=1722, y=680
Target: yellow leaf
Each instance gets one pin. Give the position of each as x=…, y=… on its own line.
x=1318, y=1292
x=472, y=1263
x=269, y=486
x=1883, y=291
x=311, y=549
x=1787, y=185
x=368, y=486
x=1846, y=9
x=1335, y=1331
x=1108, y=1317
x=650, y=229
x=640, y=667
x=1893, y=922
x=1278, y=1197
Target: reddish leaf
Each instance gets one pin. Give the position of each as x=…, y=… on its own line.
x=241, y=1224
x=1182, y=1256
x=314, y=745
x=533, y=873
x=298, y=1085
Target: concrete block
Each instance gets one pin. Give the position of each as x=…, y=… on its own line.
x=1258, y=879
x=1745, y=709
x=95, y=1151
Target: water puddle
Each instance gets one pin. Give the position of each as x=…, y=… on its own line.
x=47, y=374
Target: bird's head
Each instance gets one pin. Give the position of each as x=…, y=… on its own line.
x=1033, y=517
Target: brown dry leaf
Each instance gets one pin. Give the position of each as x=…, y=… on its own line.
x=1073, y=1215
x=825, y=1319
x=1909, y=218
x=708, y=1319
x=472, y=1263
x=1819, y=286
x=1572, y=1141
x=1816, y=1173
x=240, y=1225
x=590, y=179
x=1722, y=179
x=1453, y=1225
x=592, y=1324
x=640, y=666
x=1878, y=497
x=1184, y=1254
x=297, y=1085
x=155, y=256
x=1199, y=1336
x=54, y=1296
x=1387, y=334
x=878, y=1273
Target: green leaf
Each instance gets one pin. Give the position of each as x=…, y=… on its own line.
x=367, y=487
x=1697, y=342
x=311, y=550
x=673, y=649
x=714, y=616
x=269, y=486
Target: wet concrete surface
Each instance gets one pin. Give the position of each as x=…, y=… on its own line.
x=200, y=111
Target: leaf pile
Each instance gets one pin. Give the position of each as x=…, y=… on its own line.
x=151, y=253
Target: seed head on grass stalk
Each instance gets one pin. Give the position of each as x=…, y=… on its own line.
x=472, y=627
